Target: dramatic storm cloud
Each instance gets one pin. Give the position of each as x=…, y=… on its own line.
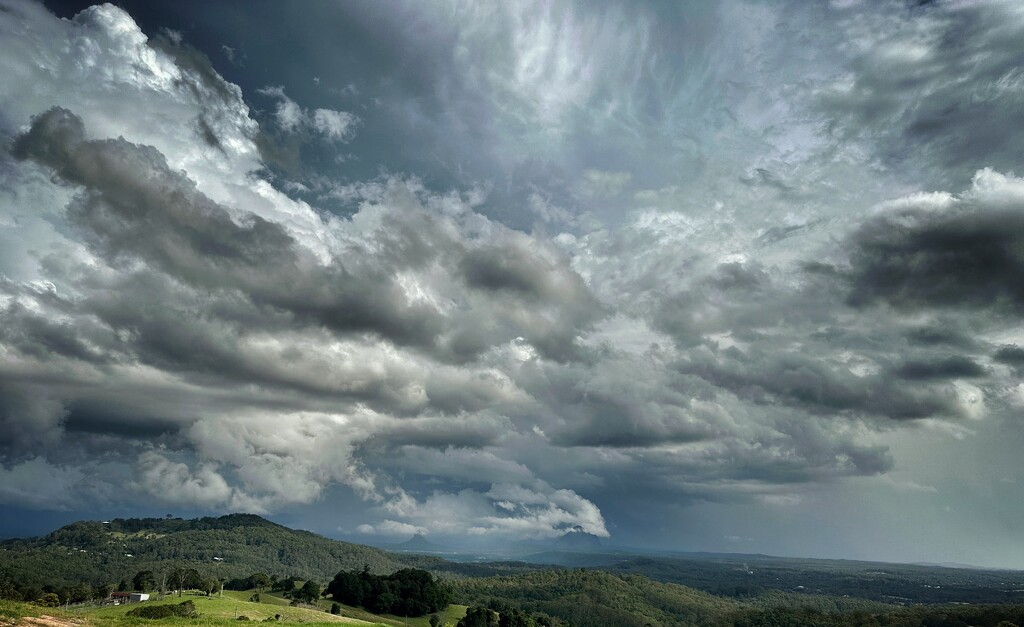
x=672, y=275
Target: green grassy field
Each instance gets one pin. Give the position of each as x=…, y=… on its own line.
x=451, y=615
x=212, y=611
x=218, y=610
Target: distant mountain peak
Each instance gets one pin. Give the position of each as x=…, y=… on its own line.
x=577, y=537
x=418, y=542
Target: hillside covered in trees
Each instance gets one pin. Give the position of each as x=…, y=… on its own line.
x=227, y=547
x=589, y=597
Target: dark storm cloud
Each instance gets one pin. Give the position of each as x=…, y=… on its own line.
x=510, y=269
x=610, y=419
x=1010, y=354
x=515, y=272
x=45, y=339
x=30, y=420
x=718, y=301
x=135, y=207
x=817, y=386
x=771, y=464
x=613, y=400
x=952, y=367
x=943, y=333
x=100, y=417
x=472, y=431
x=958, y=258
x=796, y=347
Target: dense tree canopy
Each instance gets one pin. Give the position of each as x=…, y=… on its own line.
x=407, y=592
x=99, y=553
x=479, y=617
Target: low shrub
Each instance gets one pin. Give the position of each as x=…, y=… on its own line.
x=185, y=609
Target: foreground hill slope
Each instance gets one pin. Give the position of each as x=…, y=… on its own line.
x=230, y=546
x=211, y=611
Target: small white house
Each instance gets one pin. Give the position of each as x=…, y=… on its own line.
x=128, y=597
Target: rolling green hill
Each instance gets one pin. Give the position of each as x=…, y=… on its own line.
x=105, y=553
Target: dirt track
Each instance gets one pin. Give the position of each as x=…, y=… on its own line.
x=48, y=621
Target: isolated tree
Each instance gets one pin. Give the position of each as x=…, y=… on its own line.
x=144, y=581
x=186, y=579
x=435, y=620
x=210, y=585
x=336, y=609
x=308, y=593
x=260, y=581
x=50, y=599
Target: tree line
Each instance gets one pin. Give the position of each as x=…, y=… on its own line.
x=147, y=581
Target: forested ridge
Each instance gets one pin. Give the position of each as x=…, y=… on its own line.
x=748, y=576
x=230, y=546
x=590, y=597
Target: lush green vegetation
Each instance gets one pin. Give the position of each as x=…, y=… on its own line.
x=82, y=560
x=589, y=597
x=185, y=609
x=95, y=553
x=407, y=592
x=272, y=573
x=750, y=576
x=944, y=616
x=216, y=611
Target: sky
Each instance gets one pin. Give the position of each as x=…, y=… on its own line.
x=738, y=276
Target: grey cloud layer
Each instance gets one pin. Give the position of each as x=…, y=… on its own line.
x=939, y=84
x=134, y=206
x=748, y=341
